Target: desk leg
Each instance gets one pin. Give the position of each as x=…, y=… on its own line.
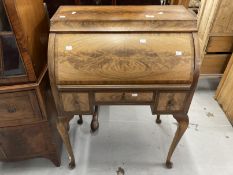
x=95, y=122
x=80, y=120
x=183, y=122
x=62, y=129
x=158, y=120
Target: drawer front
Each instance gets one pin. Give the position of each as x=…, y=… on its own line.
x=19, y=106
x=24, y=141
x=171, y=101
x=214, y=63
x=220, y=44
x=124, y=97
x=78, y=102
x=109, y=97
x=139, y=97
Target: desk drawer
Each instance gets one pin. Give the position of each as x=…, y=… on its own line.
x=220, y=44
x=124, y=97
x=19, y=106
x=75, y=102
x=171, y=101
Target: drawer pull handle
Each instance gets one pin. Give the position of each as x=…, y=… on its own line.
x=11, y=109
x=134, y=94
x=170, y=104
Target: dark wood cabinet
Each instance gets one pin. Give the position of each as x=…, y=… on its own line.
x=27, y=110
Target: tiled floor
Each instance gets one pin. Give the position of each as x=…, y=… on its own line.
x=129, y=138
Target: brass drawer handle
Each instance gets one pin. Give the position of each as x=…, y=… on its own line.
x=11, y=109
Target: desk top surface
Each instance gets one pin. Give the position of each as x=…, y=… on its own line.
x=123, y=18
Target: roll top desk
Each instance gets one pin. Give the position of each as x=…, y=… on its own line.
x=128, y=55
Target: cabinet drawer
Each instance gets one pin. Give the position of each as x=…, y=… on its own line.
x=19, y=106
x=214, y=63
x=220, y=44
x=109, y=97
x=171, y=101
x=24, y=141
x=139, y=97
x=75, y=102
x=124, y=97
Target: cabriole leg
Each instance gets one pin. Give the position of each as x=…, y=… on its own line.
x=95, y=122
x=62, y=124
x=183, y=122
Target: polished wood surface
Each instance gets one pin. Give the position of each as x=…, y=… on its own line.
x=124, y=97
x=171, y=101
x=215, y=63
x=215, y=29
x=31, y=32
x=124, y=58
x=116, y=18
x=27, y=111
x=220, y=44
x=122, y=65
x=19, y=106
x=75, y=102
x=224, y=94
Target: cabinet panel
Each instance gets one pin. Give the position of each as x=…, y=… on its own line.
x=23, y=141
x=223, y=22
x=19, y=106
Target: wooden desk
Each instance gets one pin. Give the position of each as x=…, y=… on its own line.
x=144, y=55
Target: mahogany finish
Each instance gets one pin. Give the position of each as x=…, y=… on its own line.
x=114, y=56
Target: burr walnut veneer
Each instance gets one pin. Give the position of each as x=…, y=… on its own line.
x=144, y=55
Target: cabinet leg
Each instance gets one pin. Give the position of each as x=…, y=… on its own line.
x=80, y=120
x=62, y=129
x=183, y=122
x=158, y=120
x=95, y=122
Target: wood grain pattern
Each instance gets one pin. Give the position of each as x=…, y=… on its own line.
x=214, y=63
x=224, y=93
x=223, y=22
x=108, y=97
x=19, y=105
x=220, y=44
x=139, y=96
x=113, y=63
x=116, y=18
x=31, y=31
x=75, y=102
x=123, y=59
x=171, y=101
x=124, y=97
